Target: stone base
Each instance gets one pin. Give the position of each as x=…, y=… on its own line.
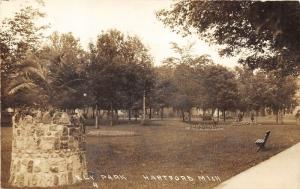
x=46, y=154
x=47, y=169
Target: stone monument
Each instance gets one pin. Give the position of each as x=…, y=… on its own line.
x=47, y=150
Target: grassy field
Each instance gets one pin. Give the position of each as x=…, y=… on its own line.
x=167, y=148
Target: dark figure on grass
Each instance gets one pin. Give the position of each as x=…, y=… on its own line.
x=252, y=117
x=240, y=117
x=78, y=119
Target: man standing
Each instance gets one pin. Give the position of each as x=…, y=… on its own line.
x=252, y=117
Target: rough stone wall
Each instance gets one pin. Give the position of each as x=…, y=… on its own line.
x=47, y=150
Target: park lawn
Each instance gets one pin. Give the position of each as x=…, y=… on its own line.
x=167, y=148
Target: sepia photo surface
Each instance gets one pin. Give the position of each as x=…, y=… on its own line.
x=150, y=94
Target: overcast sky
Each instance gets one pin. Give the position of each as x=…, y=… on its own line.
x=87, y=18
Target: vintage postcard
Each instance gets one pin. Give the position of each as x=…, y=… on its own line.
x=150, y=94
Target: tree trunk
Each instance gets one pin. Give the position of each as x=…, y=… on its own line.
x=111, y=114
x=135, y=115
x=224, y=115
x=96, y=120
x=144, y=108
x=150, y=113
x=212, y=112
x=182, y=114
x=129, y=114
x=277, y=117
x=117, y=116
x=87, y=111
x=281, y=117
x=190, y=116
x=218, y=114
x=162, y=113
x=93, y=115
x=263, y=111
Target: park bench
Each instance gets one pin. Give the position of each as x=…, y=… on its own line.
x=262, y=141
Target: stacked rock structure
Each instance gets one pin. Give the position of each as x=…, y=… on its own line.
x=47, y=149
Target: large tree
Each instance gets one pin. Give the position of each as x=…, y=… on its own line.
x=65, y=61
x=260, y=90
x=251, y=89
x=20, y=39
x=120, y=71
x=268, y=31
x=220, y=86
x=164, y=88
x=280, y=94
x=28, y=80
x=187, y=78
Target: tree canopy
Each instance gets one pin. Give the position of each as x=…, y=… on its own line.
x=268, y=31
x=117, y=71
x=19, y=40
x=120, y=70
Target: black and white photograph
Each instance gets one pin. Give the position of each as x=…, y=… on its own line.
x=150, y=94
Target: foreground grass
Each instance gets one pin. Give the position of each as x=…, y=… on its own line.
x=166, y=148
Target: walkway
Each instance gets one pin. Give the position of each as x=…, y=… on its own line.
x=281, y=171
